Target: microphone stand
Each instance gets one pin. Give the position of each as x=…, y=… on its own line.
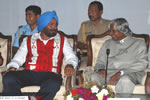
x=107, y=53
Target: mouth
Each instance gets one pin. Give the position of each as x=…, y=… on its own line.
x=52, y=30
x=91, y=17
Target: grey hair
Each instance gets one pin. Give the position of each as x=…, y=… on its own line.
x=121, y=25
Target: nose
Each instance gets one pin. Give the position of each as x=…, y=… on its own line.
x=54, y=26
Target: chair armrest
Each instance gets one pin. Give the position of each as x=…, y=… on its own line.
x=68, y=82
x=2, y=69
x=147, y=83
x=147, y=70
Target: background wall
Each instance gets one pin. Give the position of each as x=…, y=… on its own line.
x=72, y=12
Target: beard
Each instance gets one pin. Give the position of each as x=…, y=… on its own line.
x=50, y=32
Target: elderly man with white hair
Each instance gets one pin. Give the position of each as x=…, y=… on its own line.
x=126, y=61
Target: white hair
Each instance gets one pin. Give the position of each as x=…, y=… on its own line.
x=121, y=25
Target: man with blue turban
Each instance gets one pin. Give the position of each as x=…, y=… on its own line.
x=42, y=54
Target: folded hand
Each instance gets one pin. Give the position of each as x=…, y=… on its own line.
x=69, y=70
x=10, y=69
x=102, y=73
x=113, y=79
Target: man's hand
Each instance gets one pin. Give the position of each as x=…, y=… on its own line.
x=114, y=78
x=102, y=73
x=69, y=70
x=10, y=69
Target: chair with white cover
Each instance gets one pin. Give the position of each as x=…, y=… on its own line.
x=5, y=53
x=68, y=82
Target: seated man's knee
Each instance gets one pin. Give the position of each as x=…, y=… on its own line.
x=124, y=85
x=93, y=77
x=8, y=78
x=125, y=79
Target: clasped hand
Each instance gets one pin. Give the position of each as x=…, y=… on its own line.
x=113, y=79
x=10, y=69
x=69, y=70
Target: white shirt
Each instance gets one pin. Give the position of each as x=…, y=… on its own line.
x=20, y=56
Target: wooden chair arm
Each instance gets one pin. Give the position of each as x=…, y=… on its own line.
x=74, y=37
x=147, y=83
x=1, y=59
x=145, y=37
x=2, y=69
x=68, y=82
x=9, y=39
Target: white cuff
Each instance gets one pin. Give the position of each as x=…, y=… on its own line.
x=122, y=72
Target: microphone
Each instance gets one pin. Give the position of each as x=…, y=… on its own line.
x=107, y=53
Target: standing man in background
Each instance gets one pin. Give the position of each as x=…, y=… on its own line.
x=32, y=14
x=96, y=25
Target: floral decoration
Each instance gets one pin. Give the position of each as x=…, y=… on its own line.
x=89, y=91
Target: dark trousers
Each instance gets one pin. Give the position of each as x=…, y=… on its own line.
x=49, y=83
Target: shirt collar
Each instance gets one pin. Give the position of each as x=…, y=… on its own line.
x=45, y=41
x=124, y=40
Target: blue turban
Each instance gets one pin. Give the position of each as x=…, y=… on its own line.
x=45, y=18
